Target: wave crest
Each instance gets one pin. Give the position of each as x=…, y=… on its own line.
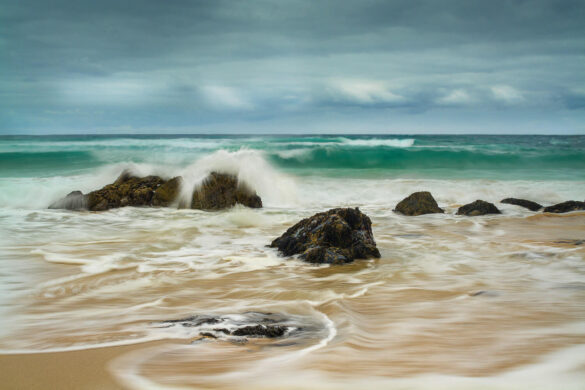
x=374, y=142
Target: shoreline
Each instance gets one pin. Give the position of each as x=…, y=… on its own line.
x=80, y=369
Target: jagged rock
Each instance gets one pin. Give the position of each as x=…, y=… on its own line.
x=270, y=331
x=530, y=205
x=75, y=200
x=127, y=190
x=167, y=193
x=336, y=236
x=418, y=203
x=479, y=207
x=219, y=191
x=565, y=207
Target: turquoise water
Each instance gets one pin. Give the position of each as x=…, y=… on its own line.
x=525, y=157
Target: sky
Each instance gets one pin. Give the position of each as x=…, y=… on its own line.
x=255, y=66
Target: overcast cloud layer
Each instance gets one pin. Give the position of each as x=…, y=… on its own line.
x=463, y=66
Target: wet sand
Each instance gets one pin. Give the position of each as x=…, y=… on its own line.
x=86, y=369
x=459, y=299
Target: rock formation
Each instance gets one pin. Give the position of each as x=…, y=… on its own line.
x=336, y=236
x=530, y=205
x=565, y=207
x=127, y=190
x=167, y=193
x=479, y=207
x=220, y=191
x=75, y=200
x=418, y=203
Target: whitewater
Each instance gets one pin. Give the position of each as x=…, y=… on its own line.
x=490, y=302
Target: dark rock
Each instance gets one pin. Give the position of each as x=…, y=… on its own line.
x=167, y=193
x=479, y=207
x=530, y=205
x=330, y=255
x=565, y=207
x=270, y=331
x=127, y=190
x=286, y=329
x=477, y=293
x=570, y=242
x=73, y=201
x=219, y=191
x=484, y=293
x=336, y=236
x=418, y=203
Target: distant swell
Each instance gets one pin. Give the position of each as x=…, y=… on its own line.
x=382, y=157
x=12, y=163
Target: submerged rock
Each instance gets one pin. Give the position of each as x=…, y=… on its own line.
x=270, y=331
x=479, y=207
x=570, y=242
x=565, y=207
x=418, y=203
x=336, y=236
x=220, y=191
x=75, y=200
x=530, y=205
x=245, y=325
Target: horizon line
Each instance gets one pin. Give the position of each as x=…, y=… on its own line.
x=285, y=134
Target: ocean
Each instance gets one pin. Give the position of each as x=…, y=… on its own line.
x=490, y=302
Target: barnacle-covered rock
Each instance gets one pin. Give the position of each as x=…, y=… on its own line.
x=336, y=236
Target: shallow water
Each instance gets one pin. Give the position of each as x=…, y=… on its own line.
x=491, y=302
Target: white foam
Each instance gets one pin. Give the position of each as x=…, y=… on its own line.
x=560, y=368
x=250, y=167
x=395, y=143
x=59, y=258
x=126, y=144
x=243, y=217
x=297, y=154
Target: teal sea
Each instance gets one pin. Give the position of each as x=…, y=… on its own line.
x=443, y=156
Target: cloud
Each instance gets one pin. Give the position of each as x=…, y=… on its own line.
x=362, y=92
x=222, y=97
x=506, y=94
x=151, y=64
x=107, y=91
x=455, y=98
